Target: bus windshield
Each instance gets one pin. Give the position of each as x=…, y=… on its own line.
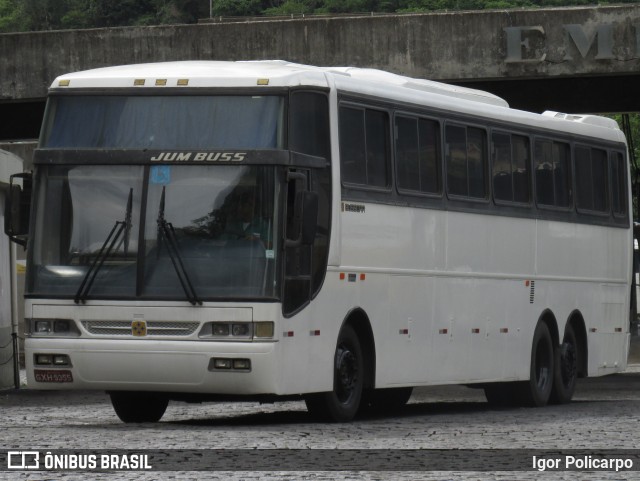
x=129, y=231
x=198, y=122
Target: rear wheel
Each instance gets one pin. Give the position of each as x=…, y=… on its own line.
x=343, y=402
x=537, y=391
x=566, y=368
x=139, y=407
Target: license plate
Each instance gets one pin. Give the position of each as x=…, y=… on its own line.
x=50, y=375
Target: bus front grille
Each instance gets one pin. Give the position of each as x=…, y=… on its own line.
x=153, y=328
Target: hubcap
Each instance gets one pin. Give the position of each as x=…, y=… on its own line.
x=543, y=366
x=346, y=373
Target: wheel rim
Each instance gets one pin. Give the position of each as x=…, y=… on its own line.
x=568, y=363
x=347, y=373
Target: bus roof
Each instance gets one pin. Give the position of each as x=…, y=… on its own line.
x=362, y=81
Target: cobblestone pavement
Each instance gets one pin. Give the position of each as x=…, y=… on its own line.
x=605, y=414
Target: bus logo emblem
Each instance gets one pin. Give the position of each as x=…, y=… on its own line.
x=139, y=328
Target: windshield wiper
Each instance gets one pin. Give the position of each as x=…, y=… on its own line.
x=166, y=231
x=118, y=229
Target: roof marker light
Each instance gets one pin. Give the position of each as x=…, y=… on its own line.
x=183, y=82
x=263, y=81
x=138, y=82
x=161, y=82
x=64, y=83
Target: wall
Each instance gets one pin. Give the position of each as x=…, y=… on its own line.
x=459, y=46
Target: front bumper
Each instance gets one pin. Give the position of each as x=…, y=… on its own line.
x=147, y=365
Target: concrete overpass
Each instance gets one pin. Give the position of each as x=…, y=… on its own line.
x=566, y=59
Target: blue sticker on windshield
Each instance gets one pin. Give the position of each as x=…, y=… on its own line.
x=160, y=174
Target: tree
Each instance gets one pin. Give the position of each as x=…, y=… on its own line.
x=237, y=8
x=9, y=21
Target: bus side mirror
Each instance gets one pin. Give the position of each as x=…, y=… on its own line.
x=17, y=208
x=305, y=219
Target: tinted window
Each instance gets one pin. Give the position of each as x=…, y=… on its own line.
x=309, y=124
x=418, y=154
x=553, y=175
x=352, y=146
x=377, y=148
x=466, y=161
x=510, y=168
x=364, y=146
x=164, y=122
x=520, y=158
x=618, y=184
x=591, y=179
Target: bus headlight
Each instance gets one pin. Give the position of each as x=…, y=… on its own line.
x=43, y=327
x=237, y=331
x=241, y=330
x=54, y=327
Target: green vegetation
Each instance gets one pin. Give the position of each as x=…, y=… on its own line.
x=31, y=15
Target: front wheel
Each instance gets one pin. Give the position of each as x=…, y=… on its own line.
x=138, y=407
x=343, y=402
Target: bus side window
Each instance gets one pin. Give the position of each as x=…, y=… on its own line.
x=520, y=165
x=466, y=149
x=591, y=179
x=353, y=160
x=562, y=174
x=553, y=175
x=456, y=145
x=618, y=185
x=511, y=168
x=418, y=154
x=364, y=146
x=502, y=175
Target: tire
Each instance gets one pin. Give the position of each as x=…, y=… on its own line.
x=377, y=401
x=565, y=374
x=342, y=404
x=537, y=391
x=139, y=407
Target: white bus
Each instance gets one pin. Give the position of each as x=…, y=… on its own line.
x=266, y=230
